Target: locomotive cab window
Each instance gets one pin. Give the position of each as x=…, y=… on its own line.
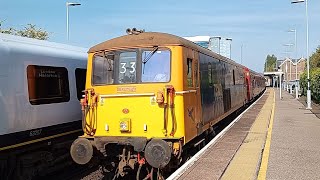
x=189, y=72
x=155, y=66
x=132, y=66
x=103, y=68
x=127, y=67
x=47, y=84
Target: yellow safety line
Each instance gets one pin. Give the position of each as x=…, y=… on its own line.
x=38, y=140
x=265, y=157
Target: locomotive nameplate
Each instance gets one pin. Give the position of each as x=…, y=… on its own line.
x=126, y=89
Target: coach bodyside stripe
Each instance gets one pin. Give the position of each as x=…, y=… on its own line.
x=39, y=140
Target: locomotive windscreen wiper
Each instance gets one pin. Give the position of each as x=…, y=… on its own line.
x=148, y=56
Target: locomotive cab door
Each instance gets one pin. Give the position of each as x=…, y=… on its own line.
x=192, y=102
x=197, y=95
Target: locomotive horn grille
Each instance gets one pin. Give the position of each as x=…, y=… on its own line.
x=129, y=31
x=134, y=31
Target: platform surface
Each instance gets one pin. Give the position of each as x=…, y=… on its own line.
x=295, y=142
x=276, y=139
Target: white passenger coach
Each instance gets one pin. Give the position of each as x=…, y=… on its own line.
x=41, y=84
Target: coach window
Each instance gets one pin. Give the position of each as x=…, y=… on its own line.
x=189, y=73
x=80, y=75
x=47, y=84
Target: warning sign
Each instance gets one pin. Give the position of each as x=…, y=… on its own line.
x=153, y=100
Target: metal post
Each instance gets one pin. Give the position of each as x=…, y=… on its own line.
x=280, y=84
x=287, y=78
x=307, y=44
x=290, y=76
x=230, y=40
x=219, y=46
x=230, y=49
x=308, y=63
x=67, y=4
x=295, y=46
x=241, y=54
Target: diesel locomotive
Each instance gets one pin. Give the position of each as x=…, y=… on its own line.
x=150, y=96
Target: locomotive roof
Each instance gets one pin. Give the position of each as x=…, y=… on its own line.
x=150, y=39
x=142, y=39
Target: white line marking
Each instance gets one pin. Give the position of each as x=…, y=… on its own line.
x=197, y=156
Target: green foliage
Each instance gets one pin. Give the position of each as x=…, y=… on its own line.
x=29, y=31
x=314, y=77
x=314, y=84
x=32, y=32
x=303, y=83
x=6, y=31
x=270, y=63
x=315, y=59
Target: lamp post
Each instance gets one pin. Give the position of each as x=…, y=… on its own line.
x=67, y=5
x=290, y=72
x=229, y=39
x=241, y=53
x=307, y=44
x=295, y=49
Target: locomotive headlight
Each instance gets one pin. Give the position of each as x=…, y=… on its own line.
x=125, y=125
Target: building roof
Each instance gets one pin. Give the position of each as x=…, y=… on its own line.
x=293, y=61
x=198, y=38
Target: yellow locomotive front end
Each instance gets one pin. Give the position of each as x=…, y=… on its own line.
x=131, y=111
x=133, y=88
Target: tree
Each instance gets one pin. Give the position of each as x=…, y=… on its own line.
x=315, y=59
x=6, y=31
x=270, y=63
x=29, y=31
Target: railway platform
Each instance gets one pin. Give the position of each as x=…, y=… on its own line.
x=274, y=139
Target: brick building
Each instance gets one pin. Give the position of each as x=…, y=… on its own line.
x=288, y=67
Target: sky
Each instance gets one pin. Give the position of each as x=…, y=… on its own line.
x=259, y=26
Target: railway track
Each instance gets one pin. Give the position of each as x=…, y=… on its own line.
x=220, y=130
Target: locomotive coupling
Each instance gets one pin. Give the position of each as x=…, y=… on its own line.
x=81, y=151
